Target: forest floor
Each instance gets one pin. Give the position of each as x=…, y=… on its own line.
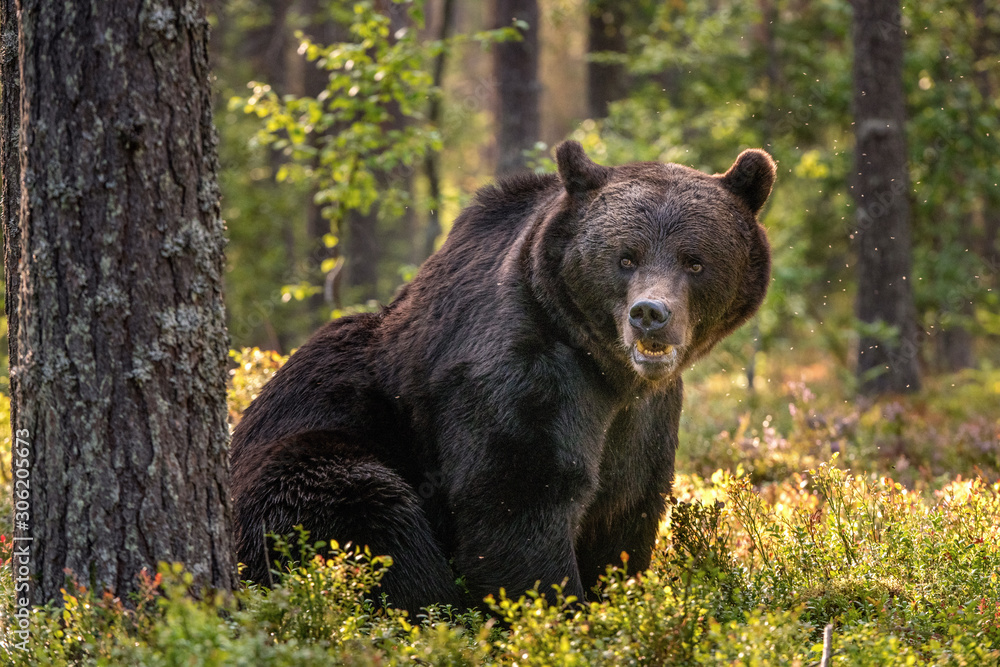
x=796, y=507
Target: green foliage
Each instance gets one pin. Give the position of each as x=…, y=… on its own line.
x=345, y=138
x=860, y=551
x=315, y=616
x=353, y=148
x=357, y=139
x=321, y=598
x=801, y=413
x=954, y=138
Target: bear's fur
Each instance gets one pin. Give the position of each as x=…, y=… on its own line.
x=511, y=417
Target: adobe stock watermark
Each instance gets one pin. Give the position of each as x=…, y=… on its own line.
x=20, y=561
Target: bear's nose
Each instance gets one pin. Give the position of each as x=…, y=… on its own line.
x=647, y=315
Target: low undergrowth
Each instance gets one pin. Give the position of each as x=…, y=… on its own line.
x=881, y=520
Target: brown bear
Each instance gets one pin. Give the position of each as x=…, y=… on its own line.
x=511, y=417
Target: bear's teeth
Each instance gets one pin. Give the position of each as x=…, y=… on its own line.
x=653, y=353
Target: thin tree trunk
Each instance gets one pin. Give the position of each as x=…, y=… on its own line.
x=954, y=342
x=991, y=239
x=122, y=335
x=320, y=28
x=606, y=82
x=403, y=225
x=515, y=66
x=987, y=46
x=881, y=195
x=358, y=237
x=267, y=48
x=768, y=25
x=363, y=253
x=434, y=117
x=364, y=249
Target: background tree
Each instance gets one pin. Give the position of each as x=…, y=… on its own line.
x=607, y=80
x=887, y=348
x=269, y=246
x=432, y=167
x=515, y=67
x=365, y=233
x=121, y=339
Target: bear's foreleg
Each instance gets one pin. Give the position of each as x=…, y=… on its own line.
x=514, y=547
x=601, y=542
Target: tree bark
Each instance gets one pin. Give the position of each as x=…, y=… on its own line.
x=606, y=82
x=10, y=172
x=515, y=66
x=881, y=194
x=122, y=335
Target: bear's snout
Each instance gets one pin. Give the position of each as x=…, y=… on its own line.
x=648, y=315
x=656, y=333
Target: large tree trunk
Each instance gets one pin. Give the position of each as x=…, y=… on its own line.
x=881, y=195
x=606, y=82
x=122, y=341
x=10, y=172
x=515, y=66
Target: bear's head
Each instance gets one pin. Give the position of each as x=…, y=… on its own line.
x=657, y=263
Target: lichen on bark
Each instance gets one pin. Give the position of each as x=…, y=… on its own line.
x=122, y=323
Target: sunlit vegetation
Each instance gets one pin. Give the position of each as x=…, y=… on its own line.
x=794, y=509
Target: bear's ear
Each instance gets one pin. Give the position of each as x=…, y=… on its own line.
x=751, y=177
x=578, y=172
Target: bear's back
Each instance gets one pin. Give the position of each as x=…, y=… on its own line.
x=487, y=228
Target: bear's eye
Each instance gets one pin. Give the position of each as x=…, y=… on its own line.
x=695, y=267
x=627, y=263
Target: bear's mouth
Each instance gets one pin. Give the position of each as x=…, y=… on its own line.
x=653, y=349
x=654, y=360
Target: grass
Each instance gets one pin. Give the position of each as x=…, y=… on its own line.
x=795, y=507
